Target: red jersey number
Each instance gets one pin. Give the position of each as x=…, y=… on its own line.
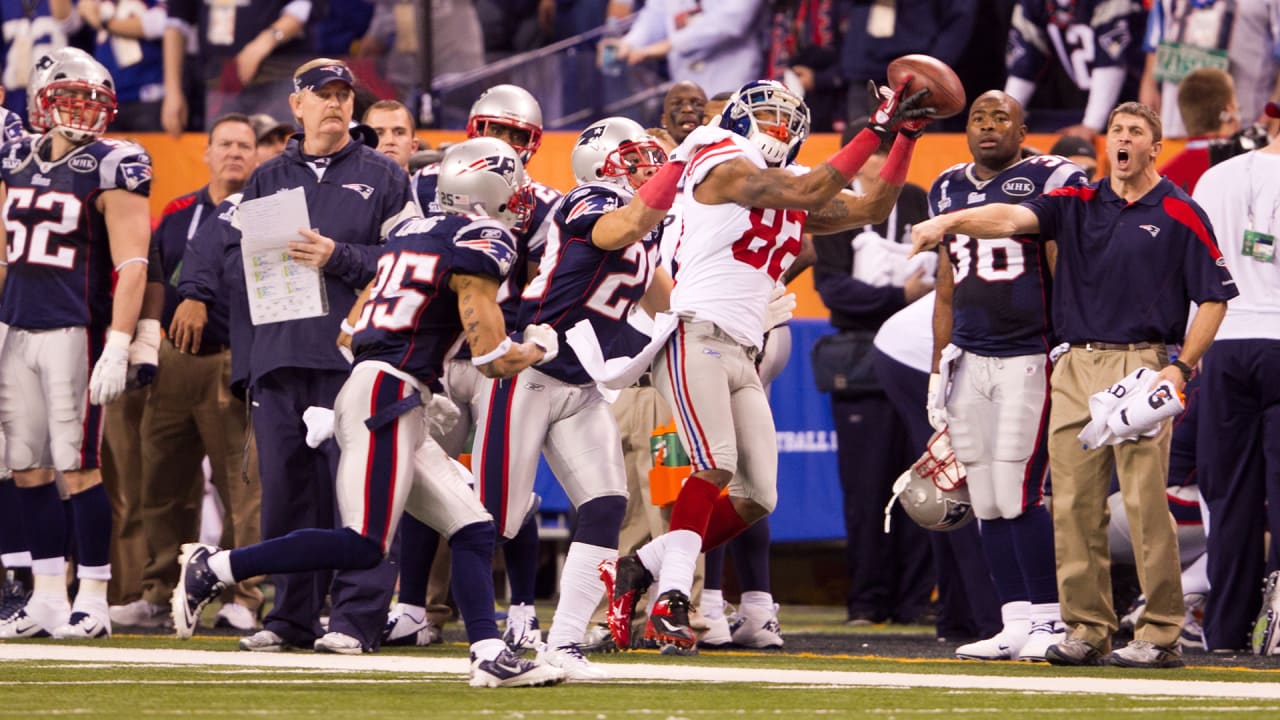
x=773, y=241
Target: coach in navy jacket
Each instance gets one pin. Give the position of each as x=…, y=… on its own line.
x=355, y=196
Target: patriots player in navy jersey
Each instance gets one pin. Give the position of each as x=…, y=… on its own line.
x=512, y=115
x=29, y=30
x=437, y=279
x=1097, y=43
x=75, y=211
x=992, y=336
x=599, y=261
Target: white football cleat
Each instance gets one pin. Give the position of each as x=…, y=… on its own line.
x=756, y=627
x=522, y=631
x=1041, y=637
x=84, y=626
x=1004, y=645
x=575, y=665
x=511, y=670
x=404, y=627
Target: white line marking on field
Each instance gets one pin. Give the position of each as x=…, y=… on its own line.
x=664, y=672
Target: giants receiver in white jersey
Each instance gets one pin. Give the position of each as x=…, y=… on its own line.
x=745, y=207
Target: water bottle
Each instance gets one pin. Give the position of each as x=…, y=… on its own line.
x=610, y=63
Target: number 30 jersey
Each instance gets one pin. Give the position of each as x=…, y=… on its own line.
x=577, y=280
x=729, y=257
x=59, y=256
x=411, y=319
x=1002, y=285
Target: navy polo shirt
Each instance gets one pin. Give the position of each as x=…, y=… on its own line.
x=1128, y=272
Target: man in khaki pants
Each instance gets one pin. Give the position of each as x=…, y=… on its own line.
x=1134, y=252
x=191, y=411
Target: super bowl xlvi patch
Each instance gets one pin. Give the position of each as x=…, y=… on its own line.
x=1018, y=187
x=365, y=191
x=135, y=174
x=10, y=163
x=83, y=163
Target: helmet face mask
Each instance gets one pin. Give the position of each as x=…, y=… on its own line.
x=772, y=117
x=484, y=176
x=511, y=114
x=618, y=151
x=933, y=491
x=72, y=94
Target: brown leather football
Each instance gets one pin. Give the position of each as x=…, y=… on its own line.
x=946, y=94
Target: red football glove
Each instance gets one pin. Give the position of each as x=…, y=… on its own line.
x=898, y=111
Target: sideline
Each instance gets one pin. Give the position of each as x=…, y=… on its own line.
x=664, y=672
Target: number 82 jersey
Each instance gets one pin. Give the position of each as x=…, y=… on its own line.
x=411, y=319
x=1002, y=286
x=58, y=253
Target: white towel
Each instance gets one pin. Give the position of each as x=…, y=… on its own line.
x=1129, y=409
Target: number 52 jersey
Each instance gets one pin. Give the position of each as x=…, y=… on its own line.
x=58, y=253
x=1002, y=285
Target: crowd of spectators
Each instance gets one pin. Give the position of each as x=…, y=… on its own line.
x=1067, y=62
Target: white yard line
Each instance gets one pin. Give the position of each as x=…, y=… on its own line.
x=1172, y=687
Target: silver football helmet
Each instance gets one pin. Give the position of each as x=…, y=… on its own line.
x=71, y=93
x=484, y=176
x=511, y=107
x=933, y=491
x=612, y=150
x=771, y=116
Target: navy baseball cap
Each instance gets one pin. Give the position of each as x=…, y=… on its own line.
x=321, y=75
x=1070, y=145
x=1273, y=110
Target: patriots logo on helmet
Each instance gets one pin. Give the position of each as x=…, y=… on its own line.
x=592, y=133
x=497, y=250
x=504, y=166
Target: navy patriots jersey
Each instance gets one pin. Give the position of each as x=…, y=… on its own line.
x=27, y=31
x=578, y=280
x=1001, y=301
x=59, y=259
x=530, y=240
x=1081, y=34
x=411, y=319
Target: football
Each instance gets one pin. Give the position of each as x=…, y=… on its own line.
x=946, y=94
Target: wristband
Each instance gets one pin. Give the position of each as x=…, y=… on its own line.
x=1184, y=368
x=850, y=158
x=660, y=191
x=118, y=340
x=346, y=327
x=895, y=167
x=493, y=354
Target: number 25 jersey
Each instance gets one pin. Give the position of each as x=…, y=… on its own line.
x=58, y=253
x=411, y=319
x=1002, y=285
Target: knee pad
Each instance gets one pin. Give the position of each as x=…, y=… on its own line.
x=600, y=519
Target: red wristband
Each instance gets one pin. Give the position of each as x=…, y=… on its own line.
x=894, y=171
x=851, y=157
x=660, y=191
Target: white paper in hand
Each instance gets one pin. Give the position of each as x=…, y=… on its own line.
x=279, y=288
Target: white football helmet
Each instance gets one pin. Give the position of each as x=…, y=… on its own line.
x=512, y=107
x=484, y=176
x=71, y=93
x=612, y=149
x=772, y=117
x=933, y=491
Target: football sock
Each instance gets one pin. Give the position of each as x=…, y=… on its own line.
x=580, y=591
x=1002, y=560
x=712, y=605
x=45, y=522
x=1032, y=543
x=757, y=599
x=13, y=542
x=306, y=550
x=723, y=525
x=91, y=510
x=418, y=545
x=683, y=549
x=713, y=570
x=521, y=553
x=471, y=552
x=751, y=557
